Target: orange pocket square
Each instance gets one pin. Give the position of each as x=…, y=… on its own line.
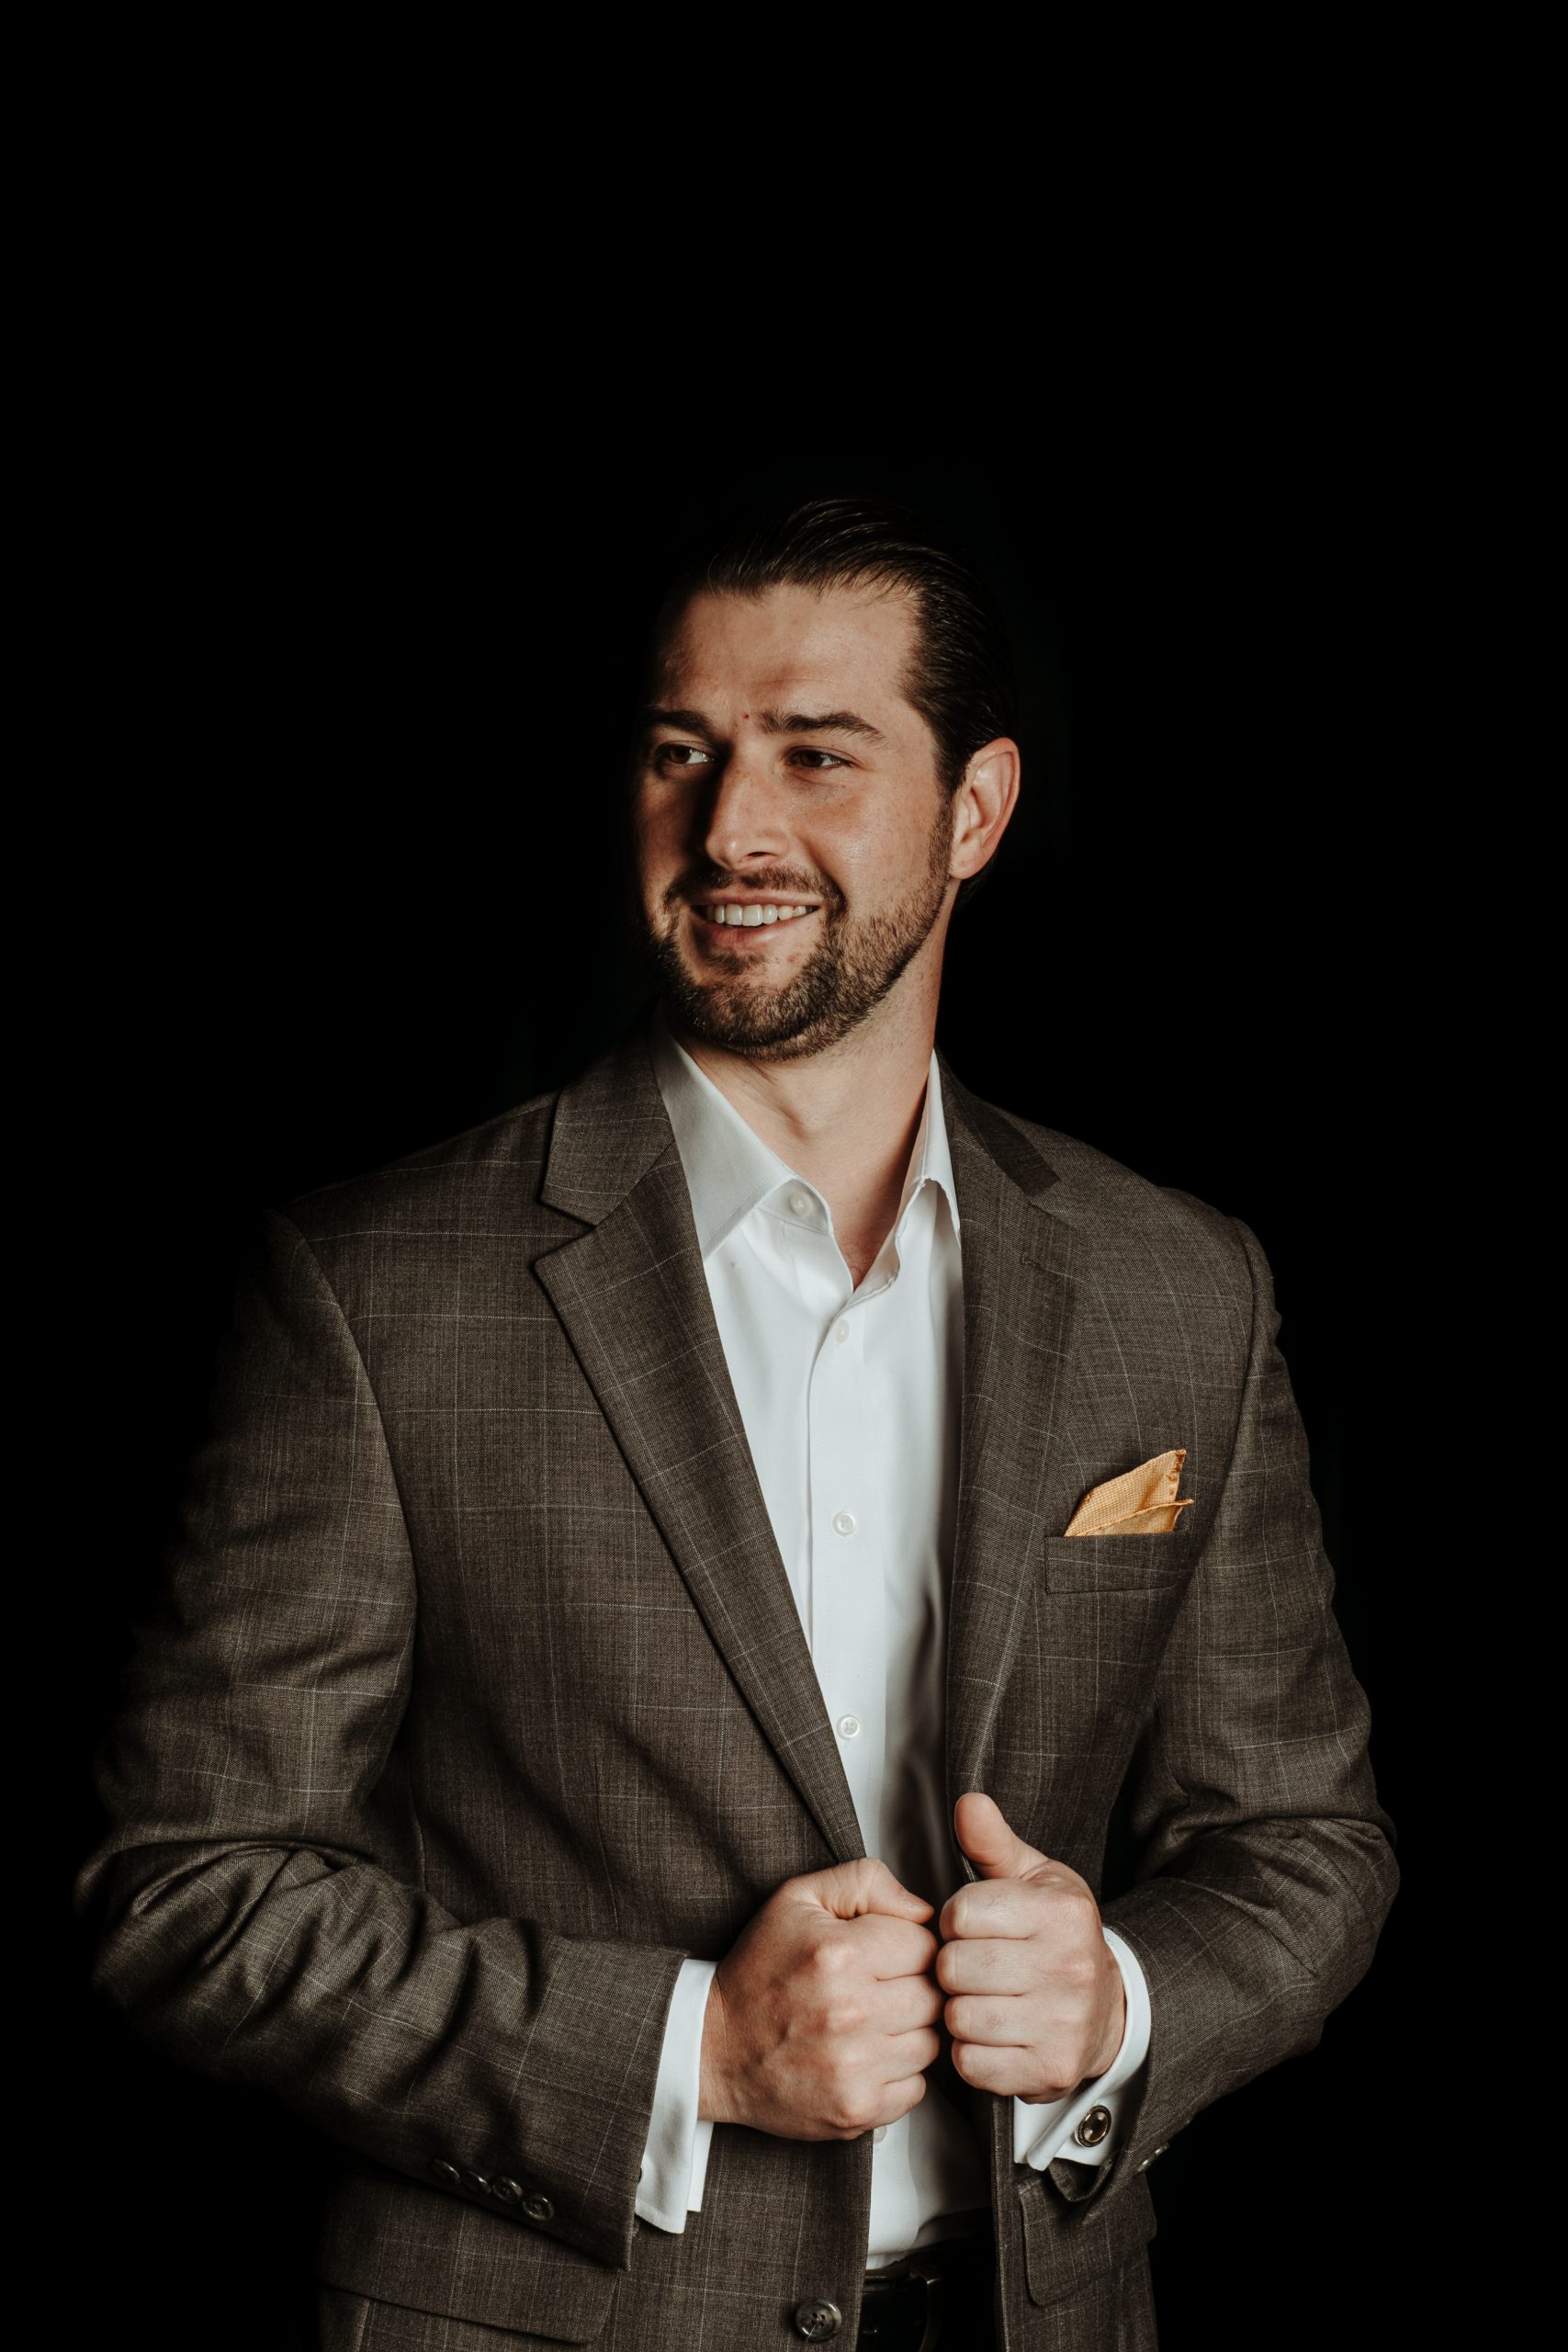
x=1140, y=1503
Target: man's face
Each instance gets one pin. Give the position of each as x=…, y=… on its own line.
x=782, y=770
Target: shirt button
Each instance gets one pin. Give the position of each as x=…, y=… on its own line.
x=840, y=1332
x=843, y=1522
x=800, y=1204
x=848, y=1726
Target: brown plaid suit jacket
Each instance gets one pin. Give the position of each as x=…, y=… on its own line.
x=482, y=1700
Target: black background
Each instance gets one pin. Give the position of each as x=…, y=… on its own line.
x=363, y=896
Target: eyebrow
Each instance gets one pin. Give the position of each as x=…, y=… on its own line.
x=775, y=722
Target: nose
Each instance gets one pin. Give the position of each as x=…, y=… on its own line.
x=744, y=819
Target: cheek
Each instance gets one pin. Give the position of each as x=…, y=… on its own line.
x=655, y=840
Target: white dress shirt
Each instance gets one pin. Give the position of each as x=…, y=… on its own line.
x=850, y=1400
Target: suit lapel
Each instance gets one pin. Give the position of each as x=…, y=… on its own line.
x=633, y=1299
x=1018, y=1300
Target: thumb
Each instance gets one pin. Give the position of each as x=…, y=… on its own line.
x=851, y=1889
x=984, y=1835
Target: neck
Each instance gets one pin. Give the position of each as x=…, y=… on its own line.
x=845, y=1118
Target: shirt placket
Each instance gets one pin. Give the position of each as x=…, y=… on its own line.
x=849, y=1630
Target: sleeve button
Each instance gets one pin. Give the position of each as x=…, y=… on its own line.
x=447, y=2173
x=478, y=2182
x=509, y=2191
x=538, y=2209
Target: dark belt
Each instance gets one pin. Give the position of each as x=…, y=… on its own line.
x=941, y=2295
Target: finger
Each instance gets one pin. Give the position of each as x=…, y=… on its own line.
x=984, y=1835
x=850, y=1890
x=898, y=2097
x=1003, y=1906
x=886, y=1947
x=989, y=1964
x=911, y=2054
x=905, y=2003
x=1011, y=2073
x=997, y=2021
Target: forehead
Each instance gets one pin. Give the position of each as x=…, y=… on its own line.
x=787, y=648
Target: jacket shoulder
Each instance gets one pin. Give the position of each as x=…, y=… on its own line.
x=468, y=1182
x=1110, y=1204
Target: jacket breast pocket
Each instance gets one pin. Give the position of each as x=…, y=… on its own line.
x=1118, y=1563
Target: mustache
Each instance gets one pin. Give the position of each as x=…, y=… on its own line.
x=776, y=882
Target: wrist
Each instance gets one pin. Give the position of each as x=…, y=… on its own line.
x=1110, y=2042
x=712, y=2080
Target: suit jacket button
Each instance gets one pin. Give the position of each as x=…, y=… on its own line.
x=477, y=2182
x=818, y=2320
x=509, y=2191
x=538, y=2209
x=1093, y=2127
x=445, y=2172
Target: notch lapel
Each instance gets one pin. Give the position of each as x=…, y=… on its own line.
x=1018, y=1323
x=633, y=1300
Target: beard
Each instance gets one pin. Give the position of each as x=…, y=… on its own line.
x=854, y=964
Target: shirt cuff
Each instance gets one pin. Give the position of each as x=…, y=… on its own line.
x=674, y=2160
x=1041, y=2134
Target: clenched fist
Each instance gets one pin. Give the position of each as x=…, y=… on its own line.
x=822, y=2020
x=1035, y=2004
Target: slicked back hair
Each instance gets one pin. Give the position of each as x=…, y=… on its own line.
x=960, y=676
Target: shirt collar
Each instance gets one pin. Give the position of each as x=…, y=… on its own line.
x=730, y=1171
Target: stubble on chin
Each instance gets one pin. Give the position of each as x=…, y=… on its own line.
x=853, y=966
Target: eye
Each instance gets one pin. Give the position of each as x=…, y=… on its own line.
x=831, y=758
x=679, y=755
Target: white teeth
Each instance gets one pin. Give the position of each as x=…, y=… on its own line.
x=735, y=917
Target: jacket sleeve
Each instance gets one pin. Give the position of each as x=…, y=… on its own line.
x=1265, y=1861
x=252, y=1916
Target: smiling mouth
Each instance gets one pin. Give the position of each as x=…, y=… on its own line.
x=750, y=914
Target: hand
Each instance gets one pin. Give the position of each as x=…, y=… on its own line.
x=1037, y=2002
x=822, y=2020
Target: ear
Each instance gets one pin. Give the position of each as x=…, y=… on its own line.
x=982, y=806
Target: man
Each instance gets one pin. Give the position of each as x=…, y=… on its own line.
x=682, y=1574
